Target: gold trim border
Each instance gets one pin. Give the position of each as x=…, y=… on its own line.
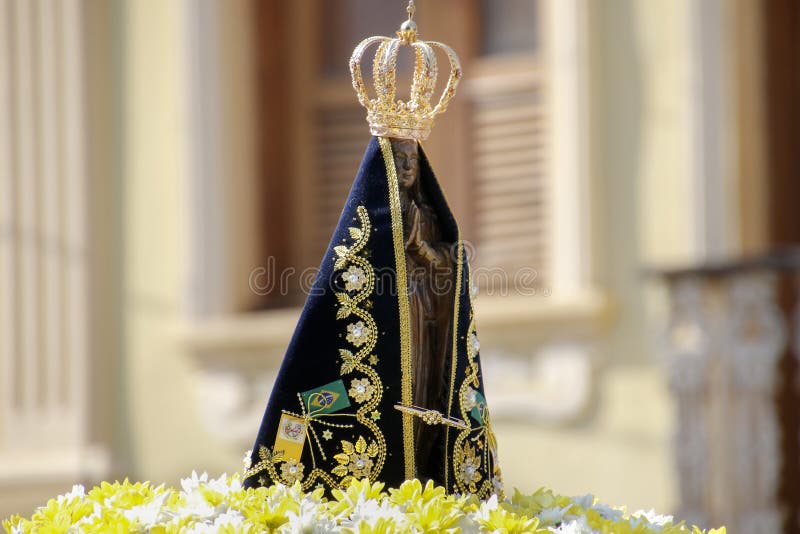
x=402, y=301
x=453, y=354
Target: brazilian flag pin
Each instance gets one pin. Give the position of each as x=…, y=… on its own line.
x=326, y=399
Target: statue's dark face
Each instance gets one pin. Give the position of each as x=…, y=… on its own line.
x=406, y=161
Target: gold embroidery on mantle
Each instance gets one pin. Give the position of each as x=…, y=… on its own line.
x=402, y=301
x=475, y=449
x=454, y=354
x=363, y=460
x=356, y=461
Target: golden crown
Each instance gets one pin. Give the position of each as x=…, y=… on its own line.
x=387, y=116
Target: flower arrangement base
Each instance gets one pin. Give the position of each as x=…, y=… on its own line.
x=204, y=504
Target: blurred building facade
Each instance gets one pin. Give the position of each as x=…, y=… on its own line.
x=162, y=160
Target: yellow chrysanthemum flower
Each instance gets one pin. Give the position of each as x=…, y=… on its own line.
x=223, y=505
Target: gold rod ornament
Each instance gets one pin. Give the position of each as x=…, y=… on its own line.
x=432, y=417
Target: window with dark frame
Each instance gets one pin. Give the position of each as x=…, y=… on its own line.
x=315, y=133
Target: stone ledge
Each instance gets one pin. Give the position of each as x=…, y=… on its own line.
x=28, y=477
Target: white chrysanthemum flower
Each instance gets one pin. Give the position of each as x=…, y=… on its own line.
x=195, y=502
x=198, y=507
x=654, y=519
x=283, y=492
x=584, y=501
x=202, y=528
x=297, y=493
x=554, y=515
x=148, y=514
x=97, y=511
x=482, y=513
x=370, y=511
x=230, y=517
x=197, y=499
x=310, y=519
x=608, y=512
x=193, y=482
x=224, y=484
x=77, y=491
x=468, y=525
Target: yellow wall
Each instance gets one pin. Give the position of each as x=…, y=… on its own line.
x=622, y=454
x=165, y=439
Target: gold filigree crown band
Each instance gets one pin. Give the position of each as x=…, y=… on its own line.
x=391, y=117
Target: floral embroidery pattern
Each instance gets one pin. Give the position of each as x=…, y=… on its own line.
x=354, y=278
x=356, y=459
x=353, y=304
x=476, y=467
x=360, y=460
x=469, y=468
x=292, y=471
x=470, y=398
x=474, y=345
x=358, y=333
x=361, y=390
